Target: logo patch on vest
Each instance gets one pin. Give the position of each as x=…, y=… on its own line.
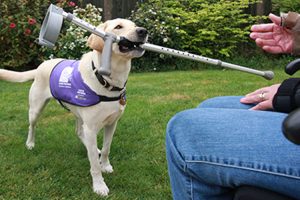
x=64, y=79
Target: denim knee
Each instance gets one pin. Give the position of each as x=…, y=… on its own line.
x=174, y=131
x=232, y=102
x=180, y=132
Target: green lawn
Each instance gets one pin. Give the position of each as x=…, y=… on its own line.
x=58, y=167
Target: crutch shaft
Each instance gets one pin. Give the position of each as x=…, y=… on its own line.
x=159, y=49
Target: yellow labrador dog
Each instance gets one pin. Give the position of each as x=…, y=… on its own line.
x=104, y=95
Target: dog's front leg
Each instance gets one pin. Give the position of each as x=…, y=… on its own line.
x=107, y=139
x=90, y=141
x=79, y=130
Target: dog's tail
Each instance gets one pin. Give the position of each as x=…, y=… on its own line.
x=17, y=77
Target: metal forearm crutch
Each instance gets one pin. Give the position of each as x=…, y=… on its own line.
x=53, y=22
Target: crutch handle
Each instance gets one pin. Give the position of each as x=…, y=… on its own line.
x=106, y=55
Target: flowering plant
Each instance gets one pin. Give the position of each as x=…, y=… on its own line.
x=19, y=28
x=72, y=42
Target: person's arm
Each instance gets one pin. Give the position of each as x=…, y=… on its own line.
x=281, y=36
x=291, y=21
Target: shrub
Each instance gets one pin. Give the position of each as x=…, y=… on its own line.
x=285, y=6
x=19, y=28
x=206, y=27
x=71, y=43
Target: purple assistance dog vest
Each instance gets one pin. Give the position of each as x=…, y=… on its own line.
x=66, y=85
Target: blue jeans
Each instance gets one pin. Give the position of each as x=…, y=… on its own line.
x=221, y=145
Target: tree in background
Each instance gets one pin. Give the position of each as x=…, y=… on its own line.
x=107, y=8
x=264, y=7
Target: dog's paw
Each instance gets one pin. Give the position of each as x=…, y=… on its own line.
x=101, y=189
x=29, y=145
x=107, y=168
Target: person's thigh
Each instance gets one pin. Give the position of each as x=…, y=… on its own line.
x=219, y=149
x=225, y=102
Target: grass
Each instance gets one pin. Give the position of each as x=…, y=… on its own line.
x=58, y=167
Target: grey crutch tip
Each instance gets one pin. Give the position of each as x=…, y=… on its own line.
x=269, y=75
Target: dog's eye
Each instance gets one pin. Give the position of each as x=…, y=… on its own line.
x=118, y=27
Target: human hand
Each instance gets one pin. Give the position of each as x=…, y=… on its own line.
x=272, y=37
x=263, y=98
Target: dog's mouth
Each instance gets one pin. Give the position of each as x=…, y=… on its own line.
x=126, y=45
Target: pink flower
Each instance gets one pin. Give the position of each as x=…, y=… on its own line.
x=31, y=21
x=12, y=25
x=71, y=3
x=27, y=31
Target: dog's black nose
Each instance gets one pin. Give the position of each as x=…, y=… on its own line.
x=142, y=32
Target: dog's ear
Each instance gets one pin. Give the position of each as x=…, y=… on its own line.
x=95, y=42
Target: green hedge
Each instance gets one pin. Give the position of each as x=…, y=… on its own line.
x=285, y=6
x=207, y=27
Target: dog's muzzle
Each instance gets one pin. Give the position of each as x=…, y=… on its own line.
x=127, y=45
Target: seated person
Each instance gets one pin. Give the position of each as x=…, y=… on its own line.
x=233, y=141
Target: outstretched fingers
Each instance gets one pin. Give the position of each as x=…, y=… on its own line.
x=275, y=19
x=262, y=27
x=264, y=105
x=273, y=49
x=270, y=46
x=265, y=36
x=269, y=27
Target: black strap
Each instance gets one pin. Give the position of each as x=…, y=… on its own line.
x=103, y=81
x=105, y=98
x=101, y=99
x=297, y=96
x=284, y=100
x=63, y=105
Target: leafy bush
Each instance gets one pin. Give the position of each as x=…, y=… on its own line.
x=19, y=28
x=72, y=42
x=285, y=6
x=206, y=27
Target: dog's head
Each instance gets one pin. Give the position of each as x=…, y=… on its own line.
x=123, y=28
